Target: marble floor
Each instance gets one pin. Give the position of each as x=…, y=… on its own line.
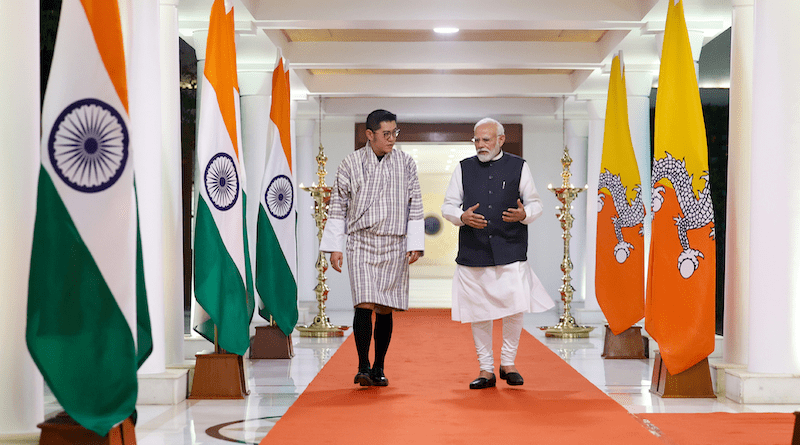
x=275, y=384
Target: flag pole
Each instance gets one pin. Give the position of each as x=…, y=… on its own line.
x=216, y=340
x=566, y=327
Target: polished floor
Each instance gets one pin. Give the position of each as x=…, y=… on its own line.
x=275, y=384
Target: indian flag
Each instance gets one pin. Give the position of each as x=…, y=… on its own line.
x=222, y=276
x=276, y=248
x=86, y=286
x=619, y=277
x=680, y=307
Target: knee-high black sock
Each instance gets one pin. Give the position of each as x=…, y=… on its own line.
x=362, y=331
x=383, y=335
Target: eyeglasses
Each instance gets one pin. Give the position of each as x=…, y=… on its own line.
x=485, y=140
x=387, y=134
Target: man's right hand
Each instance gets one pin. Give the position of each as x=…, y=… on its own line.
x=336, y=261
x=473, y=219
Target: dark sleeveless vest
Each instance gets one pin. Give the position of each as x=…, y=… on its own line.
x=495, y=185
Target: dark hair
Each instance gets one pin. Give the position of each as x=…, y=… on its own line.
x=376, y=117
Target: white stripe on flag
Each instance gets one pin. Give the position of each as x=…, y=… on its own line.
x=115, y=225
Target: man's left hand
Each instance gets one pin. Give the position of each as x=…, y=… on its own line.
x=413, y=256
x=515, y=215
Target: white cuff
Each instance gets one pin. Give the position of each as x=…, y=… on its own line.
x=453, y=215
x=333, y=236
x=415, y=235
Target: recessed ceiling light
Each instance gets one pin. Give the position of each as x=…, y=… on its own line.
x=445, y=30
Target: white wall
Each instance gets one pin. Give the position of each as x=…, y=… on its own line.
x=542, y=148
x=441, y=248
x=338, y=140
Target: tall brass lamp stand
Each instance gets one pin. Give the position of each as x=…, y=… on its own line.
x=321, y=327
x=566, y=327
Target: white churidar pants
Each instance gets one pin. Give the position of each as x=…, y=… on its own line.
x=482, y=334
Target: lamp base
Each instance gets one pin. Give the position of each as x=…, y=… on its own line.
x=321, y=328
x=567, y=330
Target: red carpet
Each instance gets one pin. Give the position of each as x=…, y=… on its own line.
x=430, y=363
x=723, y=428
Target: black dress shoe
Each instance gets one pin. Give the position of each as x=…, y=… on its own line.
x=378, y=379
x=483, y=382
x=363, y=378
x=512, y=378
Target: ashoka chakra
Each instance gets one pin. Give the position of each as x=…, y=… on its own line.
x=88, y=145
x=222, y=181
x=279, y=196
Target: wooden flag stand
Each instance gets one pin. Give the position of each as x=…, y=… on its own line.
x=64, y=430
x=695, y=382
x=219, y=375
x=629, y=344
x=271, y=342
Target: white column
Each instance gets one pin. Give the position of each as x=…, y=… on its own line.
x=774, y=336
x=21, y=386
x=255, y=88
x=199, y=39
x=638, y=85
x=597, y=118
x=577, y=141
x=737, y=236
x=772, y=345
x=172, y=183
x=144, y=87
x=307, y=148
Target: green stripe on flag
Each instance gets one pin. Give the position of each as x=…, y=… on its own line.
x=274, y=279
x=251, y=293
x=218, y=286
x=76, y=332
x=144, y=334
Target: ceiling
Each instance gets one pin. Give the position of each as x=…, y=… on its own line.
x=509, y=59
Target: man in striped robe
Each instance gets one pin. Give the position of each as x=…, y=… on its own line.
x=376, y=207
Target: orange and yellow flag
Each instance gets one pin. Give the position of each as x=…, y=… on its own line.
x=619, y=277
x=681, y=279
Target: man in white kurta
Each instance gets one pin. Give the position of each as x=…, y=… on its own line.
x=376, y=206
x=492, y=198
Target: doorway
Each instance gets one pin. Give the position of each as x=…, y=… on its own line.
x=439, y=147
x=431, y=276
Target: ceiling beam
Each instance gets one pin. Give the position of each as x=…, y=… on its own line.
x=441, y=85
x=444, y=54
x=436, y=108
x=446, y=13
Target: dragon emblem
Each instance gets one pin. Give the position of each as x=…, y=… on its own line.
x=697, y=210
x=628, y=215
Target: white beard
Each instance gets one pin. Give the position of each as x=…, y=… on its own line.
x=486, y=156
